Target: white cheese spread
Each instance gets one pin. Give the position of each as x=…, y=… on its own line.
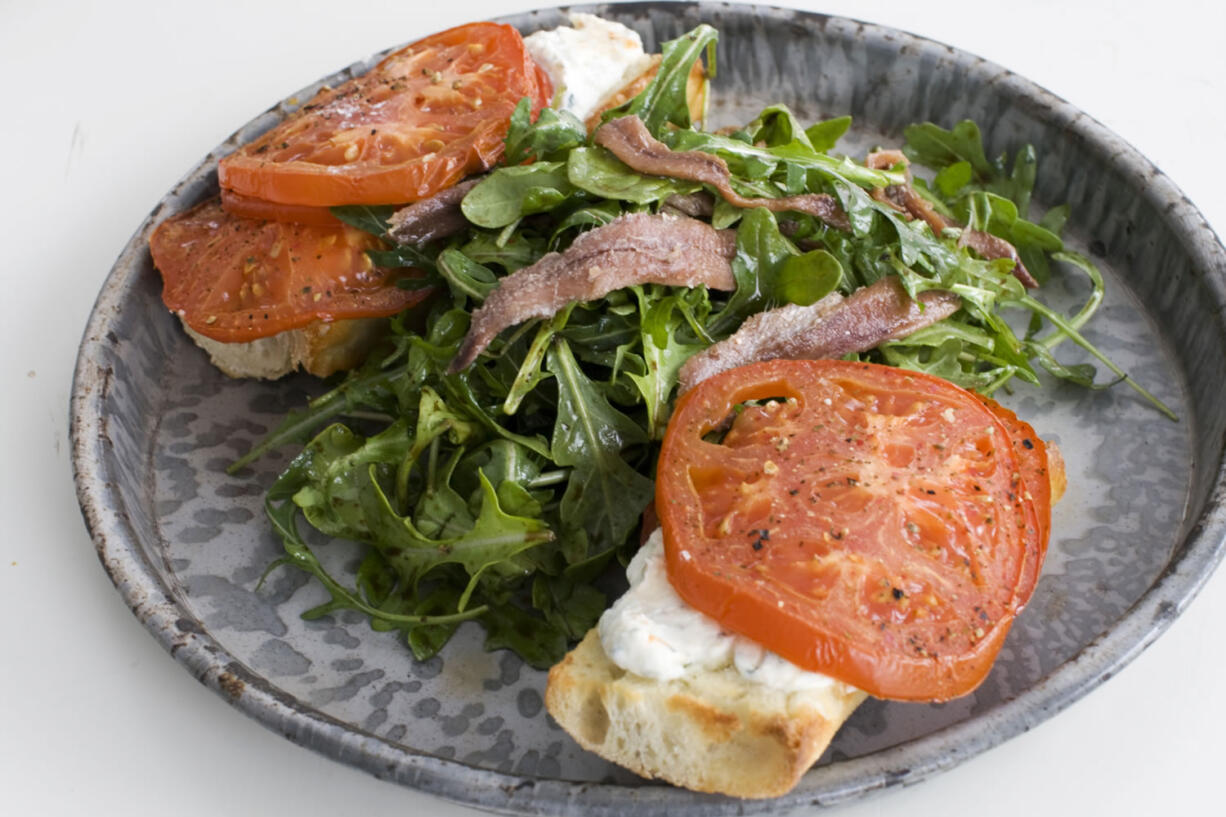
x=589, y=62
x=652, y=632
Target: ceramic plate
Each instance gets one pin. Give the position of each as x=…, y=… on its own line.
x=154, y=427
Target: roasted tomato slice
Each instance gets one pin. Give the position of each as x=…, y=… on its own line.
x=1041, y=486
x=236, y=280
x=862, y=521
x=419, y=121
x=236, y=204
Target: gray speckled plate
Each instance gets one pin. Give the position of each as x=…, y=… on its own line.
x=154, y=427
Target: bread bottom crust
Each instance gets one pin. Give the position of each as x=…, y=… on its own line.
x=713, y=731
x=319, y=348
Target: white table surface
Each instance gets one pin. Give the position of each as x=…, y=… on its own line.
x=108, y=106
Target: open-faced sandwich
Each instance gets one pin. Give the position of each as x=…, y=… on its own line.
x=601, y=312
x=829, y=529
x=267, y=279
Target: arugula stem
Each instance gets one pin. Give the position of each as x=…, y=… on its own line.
x=432, y=465
x=1092, y=303
x=529, y=373
x=550, y=478
x=376, y=416
x=299, y=555
x=331, y=404
x=1058, y=320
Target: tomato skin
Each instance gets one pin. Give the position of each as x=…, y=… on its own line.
x=852, y=536
x=236, y=280
x=1032, y=456
x=236, y=204
x=422, y=119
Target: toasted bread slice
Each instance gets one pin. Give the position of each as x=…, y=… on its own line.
x=713, y=731
x=319, y=348
x=695, y=92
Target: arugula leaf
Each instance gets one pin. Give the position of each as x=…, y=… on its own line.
x=1025, y=168
x=602, y=174
x=465, y=277
x=750, y=162
x=372, y=218
x=515, y=253
x=530, y=373
x=806, y=279
x=604, y=496
x=1054, y=219
x=665, y=100
x=547, y=139
x=594, y=215
x=761, y=251
x=663, y=356
x=775, y=126
x=299, y=555
x=366, y=389
x=932, y=145
x=510, y=193
x=539, y=643
x=569, y=602
x=823, y=136
x=952, y=178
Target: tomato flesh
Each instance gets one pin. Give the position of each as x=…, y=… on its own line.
x=236, y=280
x=864, y=522
x=418, y=122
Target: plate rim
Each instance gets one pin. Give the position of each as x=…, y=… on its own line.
x=152, y=602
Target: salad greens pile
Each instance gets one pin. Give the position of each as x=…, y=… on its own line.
x=499, y=494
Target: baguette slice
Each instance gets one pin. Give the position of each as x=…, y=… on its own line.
x=711, y=732
x=319, y=348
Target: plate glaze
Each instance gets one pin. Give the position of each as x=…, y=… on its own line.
x=1142, y=526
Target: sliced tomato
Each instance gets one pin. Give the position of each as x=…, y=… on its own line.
x=862, y=521
x=236, y=204
x=1036, y=478
x=236, y=280
x=418, y=122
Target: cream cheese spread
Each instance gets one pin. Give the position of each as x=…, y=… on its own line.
x=589, y=61
x=651, y=631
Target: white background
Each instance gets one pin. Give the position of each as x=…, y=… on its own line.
x=106, y=106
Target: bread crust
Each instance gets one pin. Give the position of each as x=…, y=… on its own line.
x=319, y=348
x=695, y=92
x=713, y=731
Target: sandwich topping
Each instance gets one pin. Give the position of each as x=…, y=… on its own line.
x=862, y=521
x=588, y=61
x=236, y=280
x=422, y=119
x=652, y=632
x=832, y=327
x=631, y=250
